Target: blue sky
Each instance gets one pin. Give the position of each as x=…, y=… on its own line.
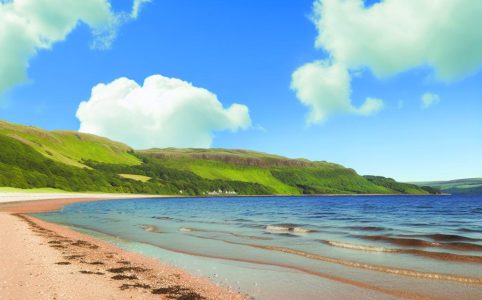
x=246, y=52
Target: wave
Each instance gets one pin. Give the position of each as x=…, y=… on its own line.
x=240, y=220
x=163, y=218
x=468, y=230
x=444, y=256
x=388, y=291
x=399, y=241
x=367, y=228
x=446, y=237
x=360, y=265
x=429, y=254
x=412, y=242
x=378, y=268
x=357, y=247
x=360, y=284
x=463, y=246
x=288, y=228
x=320, y=215
x=417, y=224
x=250, y=237
x=284, y=234
x=252, y=225
x=190, y=229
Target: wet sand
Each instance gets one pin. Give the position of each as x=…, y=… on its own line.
x=45, y=202
x=41, y=260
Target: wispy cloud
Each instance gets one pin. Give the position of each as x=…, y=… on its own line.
x=105, y=36
x=29, y=26
x=429, y=99
x=136, y=7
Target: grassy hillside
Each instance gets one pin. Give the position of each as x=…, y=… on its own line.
x=35, y=158
x=70, y=147
x=212, y=169
x=283, y=175
x=399, y=187
x=459, y=186
x=21, y=166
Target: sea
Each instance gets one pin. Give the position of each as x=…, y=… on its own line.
x=315, y=247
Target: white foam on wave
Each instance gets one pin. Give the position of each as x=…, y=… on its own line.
x=190, y=229
x=185, y=229
x=360, y=247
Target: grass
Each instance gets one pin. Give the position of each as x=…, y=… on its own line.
x=140, y=178
x=458, y=186
x=211, y=169
x=21, y=166
x=69, y=161
x=282, y=175
x=46, y=190
x=70, y=147
x=36, y=190
x=313, y=178
x=212, y=152
x=468, y=186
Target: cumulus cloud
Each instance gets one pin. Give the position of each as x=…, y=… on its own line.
x=27, y=26
x=390, y=37
x=429, y=99
x=163, y=112
x=325, y=89
x=393, y=36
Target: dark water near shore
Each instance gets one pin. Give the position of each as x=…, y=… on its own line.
x=286, y=247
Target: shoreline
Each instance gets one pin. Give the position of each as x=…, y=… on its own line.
x=50, y=202
x=135, y=281
x=118, y=273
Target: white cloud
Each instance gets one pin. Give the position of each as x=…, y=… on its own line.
x=164, y=112
x=393, y=36
x=136, y=7
x=388, y=38
x=429, y=99
x=27, y=26
x=325, y=89
x=103, y=38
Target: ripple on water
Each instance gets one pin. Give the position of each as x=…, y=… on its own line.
x=288, y=228
x=413, y=242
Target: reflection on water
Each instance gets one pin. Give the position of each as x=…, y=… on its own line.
x=382, y=246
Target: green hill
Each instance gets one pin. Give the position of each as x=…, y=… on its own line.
x=402, y=188
x=35, y=158
x=469, y=186
x=70, y=147
x=283, y=175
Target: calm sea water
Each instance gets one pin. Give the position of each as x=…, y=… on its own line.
x=304, y=247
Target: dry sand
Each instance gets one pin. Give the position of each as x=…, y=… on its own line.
x=41, y=260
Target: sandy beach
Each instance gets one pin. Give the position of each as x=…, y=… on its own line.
x=41, y=260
